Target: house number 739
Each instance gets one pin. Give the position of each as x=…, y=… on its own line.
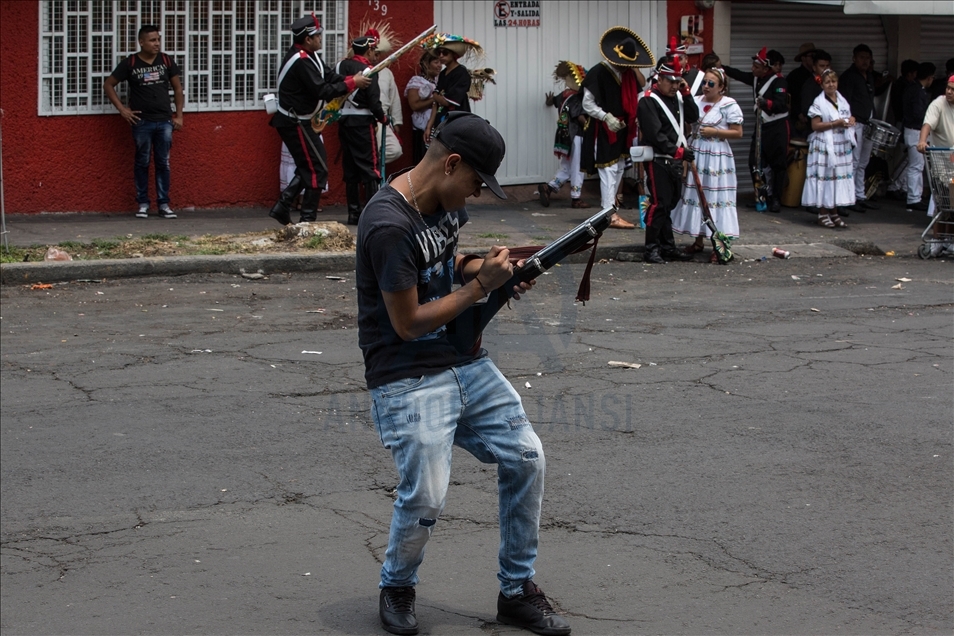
x=377, y=5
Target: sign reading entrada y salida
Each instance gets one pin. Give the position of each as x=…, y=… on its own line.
x=517, y=13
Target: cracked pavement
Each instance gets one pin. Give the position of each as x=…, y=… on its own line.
x=195, y=455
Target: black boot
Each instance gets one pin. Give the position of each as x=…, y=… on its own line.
x=353, y=194
x=370, y=189
x=309, y=205
x=281, y=211
x=668, y=248
x=652, y=253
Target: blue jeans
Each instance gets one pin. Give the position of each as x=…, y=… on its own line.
x=476, y=408
x=152, y=137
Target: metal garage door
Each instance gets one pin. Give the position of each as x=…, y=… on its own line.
x=524, y=58
x=937, y=40
x=785, y=26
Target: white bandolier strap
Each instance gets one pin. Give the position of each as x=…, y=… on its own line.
x=766, y=118
x=281, y=75
x=680, y=126
x=696, y=83
x=350, y=108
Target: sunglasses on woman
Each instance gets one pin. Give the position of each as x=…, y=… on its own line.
x=709, y=83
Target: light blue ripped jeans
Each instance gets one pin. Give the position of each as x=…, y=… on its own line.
x=476, y=408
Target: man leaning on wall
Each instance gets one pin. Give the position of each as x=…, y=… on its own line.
x=149, y=74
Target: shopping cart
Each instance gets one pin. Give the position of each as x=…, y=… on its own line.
x=938, y=236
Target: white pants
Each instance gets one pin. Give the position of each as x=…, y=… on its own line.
x=286, y=171
x=570, y=171
x=610, y=178
x=859, y=160
x=915, y=165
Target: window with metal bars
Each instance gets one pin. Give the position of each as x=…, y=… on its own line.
x=229, y=50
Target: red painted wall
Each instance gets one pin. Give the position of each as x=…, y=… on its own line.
x=408, y=18
x=85, y=162
x=675, y=9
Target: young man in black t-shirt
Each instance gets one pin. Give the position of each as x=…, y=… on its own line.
x=149, y=74
x=427, y=394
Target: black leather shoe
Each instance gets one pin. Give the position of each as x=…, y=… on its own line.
x=866, y=204
x=281, y=213
x=396, y=609
x=775, y=206
x=531, y=610
x=673, y=254
x=652, y=255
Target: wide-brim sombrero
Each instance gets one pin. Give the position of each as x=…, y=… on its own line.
x=461, y=46
x=571, y=73
x=622, y=47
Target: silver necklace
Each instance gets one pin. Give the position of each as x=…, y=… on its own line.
x=414, y=198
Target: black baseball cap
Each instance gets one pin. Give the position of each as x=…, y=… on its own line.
x=478, y=143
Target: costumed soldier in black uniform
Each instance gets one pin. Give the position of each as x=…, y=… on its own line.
x=663, y=113
x=304, y=85
x=356, y=130
x=610, y=94
x=771, y=100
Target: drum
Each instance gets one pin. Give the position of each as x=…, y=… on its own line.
x=883, y=137
x=797, y=167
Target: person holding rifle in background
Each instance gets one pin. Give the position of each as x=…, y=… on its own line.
x=663, y=113
x=771, y=103
x=357, y=129
x=304, y=85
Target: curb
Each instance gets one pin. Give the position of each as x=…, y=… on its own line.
x=58, y=271
x=52, y=272
x=47, y=272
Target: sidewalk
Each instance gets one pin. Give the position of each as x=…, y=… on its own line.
x=520, y=220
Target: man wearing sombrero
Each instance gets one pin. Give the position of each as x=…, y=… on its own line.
x=568, y=142
x=610, y=93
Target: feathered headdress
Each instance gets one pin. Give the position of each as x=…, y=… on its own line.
x=385, y=38
x=571, y=73
x=459, y=45
x=478, y=78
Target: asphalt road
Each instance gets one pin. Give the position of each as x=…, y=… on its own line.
x=195, y=455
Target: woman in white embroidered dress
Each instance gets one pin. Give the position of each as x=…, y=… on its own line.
x=720, y=120
x=829, y=179
x=420, y=97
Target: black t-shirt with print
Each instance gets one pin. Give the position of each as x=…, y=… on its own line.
x=397, y=250
x=148, y=85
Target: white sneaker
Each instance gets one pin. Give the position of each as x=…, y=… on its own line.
x=143, y=212
x=166, y=212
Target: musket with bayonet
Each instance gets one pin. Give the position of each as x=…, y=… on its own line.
x=332, y=109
